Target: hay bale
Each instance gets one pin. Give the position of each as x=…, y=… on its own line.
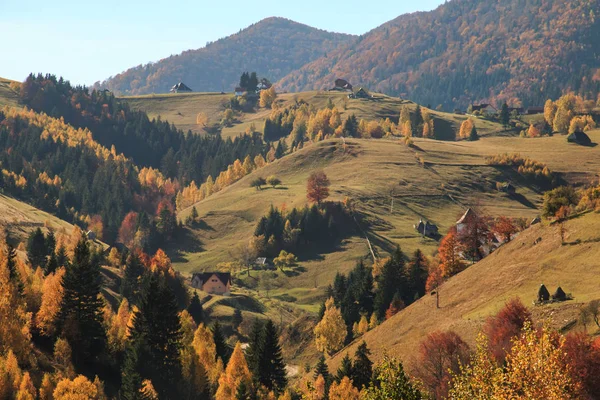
x=543, y=294
x=559, y=295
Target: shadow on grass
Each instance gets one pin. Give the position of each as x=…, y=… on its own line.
x=185, y=241
x=523, y=200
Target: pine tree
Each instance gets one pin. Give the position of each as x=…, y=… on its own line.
x=345, y=368
x=417, y=271
x=158, y=326
x=223, y=351
x=194, y=214
x=37, y=249
x=272, y=367
x=195, y=309
x=50, y=242
x=322, y=369
x=131, y=380
x=390, y=281
x=61, y=257
x=255, y=350
x=473, y=135
x=417, y=124
x=130, y=284
x=237, y=319
x=362, y=368
x=242, y=392
x=13, y=273
x=81, y=314
x=51, y=265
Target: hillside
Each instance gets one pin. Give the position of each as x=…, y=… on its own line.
x=273, y=48
x=181, y=109
x=515, y=270
x=471, y=50
x=8, y=97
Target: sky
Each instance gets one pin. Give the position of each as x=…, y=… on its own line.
x=87, y=41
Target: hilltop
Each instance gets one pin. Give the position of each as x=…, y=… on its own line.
x=515, y=270
x=8, y=96
x=273, y=48
x=471, y=50
x=181, y=109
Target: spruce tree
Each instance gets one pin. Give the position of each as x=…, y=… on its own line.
x=131, y=380
x=194, y=214
x=130, y=284
x=345, y=368
x=473, y=135
x=362, y=368
x=37, y=249
x=390, y=281
x=279, y=151
x=61, y=257
x=52, y=264
x=157, y=325
x=223, y=350
x=13, y=273
x=272, y=368
x=81, y=316
x=322, y=369
x=237, y=319
x=50, y=242
x=417, y=124
x=417, y=272
x=195, y=309
x=254, y=352
x=242, y=392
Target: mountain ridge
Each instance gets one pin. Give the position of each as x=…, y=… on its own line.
x=217, y=66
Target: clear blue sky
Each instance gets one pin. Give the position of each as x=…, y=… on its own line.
x=86, y=41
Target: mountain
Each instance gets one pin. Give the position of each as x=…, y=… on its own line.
x=273, y=48
x=472, y=50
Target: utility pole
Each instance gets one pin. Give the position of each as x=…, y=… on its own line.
x=392, y=202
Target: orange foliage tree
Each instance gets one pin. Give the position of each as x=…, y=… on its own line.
x=502, y=328
x=449, y=251
x=317, y=187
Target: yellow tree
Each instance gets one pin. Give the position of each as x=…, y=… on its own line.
x=330, y=332
x=343, y=390
x=465, y=128
x=46, y=387
x=52, y=294
x=268, y=97
x=549, y=112
x=236, y=372
x=26, y=389
x=205, y=348
x=117, y=332
x=79, y=388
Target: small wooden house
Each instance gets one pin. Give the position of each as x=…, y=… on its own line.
x=467, y=218
x=484, y=108
x=213, y=282
x=362, y=94
x=426, y=229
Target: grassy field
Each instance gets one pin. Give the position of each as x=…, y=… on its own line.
x=181, y=109
x=515, y=270
x=8, y=97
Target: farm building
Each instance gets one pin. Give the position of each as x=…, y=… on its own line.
x=426, y=229
x=213, y=282
x=484, y=108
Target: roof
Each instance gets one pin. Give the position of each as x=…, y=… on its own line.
x=467, y=215
x=481, y=106
x=224, y=277
x=579, y=137
x=181, y=87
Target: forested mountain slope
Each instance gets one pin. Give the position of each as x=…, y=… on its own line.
x=273, y=48
x=472, y=50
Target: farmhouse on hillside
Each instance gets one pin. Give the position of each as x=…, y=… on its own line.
x=180, y=88
x=426, y=229
x=467, y=218
x=484, y=108
x=342, y=84
x=213, y=282
x=361, y=93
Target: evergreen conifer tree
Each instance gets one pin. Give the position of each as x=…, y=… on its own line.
x=222, y=349
x=131, y=380
x=345, y=368
x=417, y=272
x=473, y=135
x=272, y=367
x=81, y=314
x=157, y=325
x=279, y=151
x=255, y=349
x=50, y=242
x=242, y=392
x=37, y=249
x=322, y=369
x=195, y=309
x=61, y=257
x=390, y=281
x=13, y=273
x=362, y=368
x=236, y=319
x=51, y=265
x=130, y=284
x=504, y=115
